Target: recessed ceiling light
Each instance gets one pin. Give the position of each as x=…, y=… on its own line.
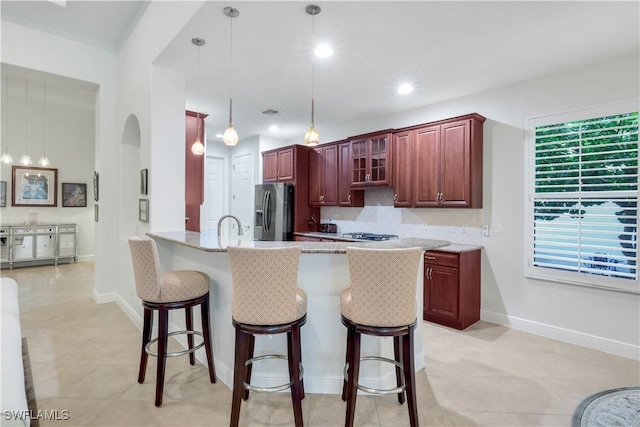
x=405, y=88
x=218, y=135
x=323, y=50
x=274, y=128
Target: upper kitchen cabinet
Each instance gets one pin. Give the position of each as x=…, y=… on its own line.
x=323, y=175
x=194, y=170
x=371, y=160
x=445, y=164
x=347, y=197
x=279, y=165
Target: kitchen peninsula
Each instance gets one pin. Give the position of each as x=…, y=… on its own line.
x=323, y=273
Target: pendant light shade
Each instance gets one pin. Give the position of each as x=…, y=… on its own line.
x=44, y=161
x=25, y=159
x=312, y=137
x=197, y=147
x=230, y=136
x=6, y=156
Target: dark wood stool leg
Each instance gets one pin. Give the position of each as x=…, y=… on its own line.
x=294, y=358
x=188, y=315
x=239, y=372
x=249, y=354
x=397, y=346
x=352, y=383
x=409, y=377
x=206, y=331
x=146, y=337
x=163, y=330
x=347, y=357
x=299, y=343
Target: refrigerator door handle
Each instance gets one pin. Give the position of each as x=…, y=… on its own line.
x=264, y=211
x=268, y=210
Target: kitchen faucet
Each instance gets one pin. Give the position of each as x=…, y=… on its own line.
x=240, y=233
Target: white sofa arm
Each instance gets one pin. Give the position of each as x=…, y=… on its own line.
x=15, y=411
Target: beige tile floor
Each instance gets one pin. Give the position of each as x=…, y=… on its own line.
x=85, y=358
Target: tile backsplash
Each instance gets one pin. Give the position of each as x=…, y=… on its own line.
x=379, y=216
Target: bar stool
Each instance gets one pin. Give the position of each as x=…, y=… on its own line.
x=381, y=302
x=164, y=291
x=266, y=300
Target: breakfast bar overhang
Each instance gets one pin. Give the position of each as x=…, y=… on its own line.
x=323, y=273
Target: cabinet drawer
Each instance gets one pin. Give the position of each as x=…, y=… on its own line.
x=23, y=231
x=45, y=230
x=441, y=258
x=66, y=228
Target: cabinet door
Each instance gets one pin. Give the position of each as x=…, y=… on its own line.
x=286, y=168
x=441, y=292
x=45, y=246
x=455, y=164
x=402, y=169
x=426, y=150
x=379, y=160
x=359, y=171
x=347, y=197
x=269, y=167
x=330, y=175
x=306, y=239
x=315, y=177
x=23, y=247
x=66, y=245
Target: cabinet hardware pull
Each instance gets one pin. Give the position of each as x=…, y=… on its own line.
x=395, y=197
x=349, y=197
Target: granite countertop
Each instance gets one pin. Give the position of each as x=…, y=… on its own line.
x=209, y=241
x=458, y=247
x=334, y=236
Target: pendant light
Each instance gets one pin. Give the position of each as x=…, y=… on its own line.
x=44, y=161
x=230, y=136
x=198, y=147
x=6, y=157
x=312, y=137
x=25, y=159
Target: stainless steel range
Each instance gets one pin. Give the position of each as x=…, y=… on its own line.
x=370, y=236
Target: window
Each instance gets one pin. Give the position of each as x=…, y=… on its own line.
x=582, y=213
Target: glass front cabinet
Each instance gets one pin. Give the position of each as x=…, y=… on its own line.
x=27, y=244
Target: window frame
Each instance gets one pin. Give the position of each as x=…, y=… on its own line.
x=557, y=275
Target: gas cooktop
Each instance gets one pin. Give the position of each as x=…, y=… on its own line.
x=370, y=236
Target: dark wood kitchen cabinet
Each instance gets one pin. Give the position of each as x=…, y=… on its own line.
x=323, y=175
x=452, y=288
x=194, y=171
x=291, y=165
x=445, y=161
x=347, y=197
x=371, y=160
x=279, y=165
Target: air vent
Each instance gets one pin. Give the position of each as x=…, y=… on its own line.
x=271, y=112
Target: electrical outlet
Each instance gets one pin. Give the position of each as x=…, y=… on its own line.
x=485, y=230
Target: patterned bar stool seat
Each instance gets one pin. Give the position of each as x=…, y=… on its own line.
x=164, y=291
x=266, y=301
x=381, y=302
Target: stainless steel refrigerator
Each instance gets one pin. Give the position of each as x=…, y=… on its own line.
x=274, y=212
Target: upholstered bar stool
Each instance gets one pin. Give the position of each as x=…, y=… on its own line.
x=266, y=300
x=164, y=291
x=381, y=302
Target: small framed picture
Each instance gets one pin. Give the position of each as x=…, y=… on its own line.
x=95, y=212
x=74, y=195
x=95, y=185
x=143, y=210
x=34, y=186
x=144, y=181
x=3, y=194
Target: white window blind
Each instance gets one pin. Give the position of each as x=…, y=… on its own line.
x=582, y=213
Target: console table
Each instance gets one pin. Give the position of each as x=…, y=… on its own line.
x=41, y=242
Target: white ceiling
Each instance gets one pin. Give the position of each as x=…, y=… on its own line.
x=445, y=49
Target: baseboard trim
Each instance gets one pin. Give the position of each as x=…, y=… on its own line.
x=606, y=345
x=104, y=298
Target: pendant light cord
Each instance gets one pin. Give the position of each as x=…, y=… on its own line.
x=5, y=116
x=313, y=69
x=26, y=108
x=44, y=131
x=198, y=98
x=230, y=68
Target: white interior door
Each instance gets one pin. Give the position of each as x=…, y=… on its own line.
x=242, y=203
x=215, y=193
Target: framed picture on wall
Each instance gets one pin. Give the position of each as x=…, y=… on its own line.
x=95, y=185
x=34, y=186
x=3, y=194
x=95, y=212
x=144, y=181
x=74, y=195
x=143, y=210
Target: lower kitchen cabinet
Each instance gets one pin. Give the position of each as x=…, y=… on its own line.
x=452, y=288
x=38, y=243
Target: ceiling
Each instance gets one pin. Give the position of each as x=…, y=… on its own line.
x=445, y=49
